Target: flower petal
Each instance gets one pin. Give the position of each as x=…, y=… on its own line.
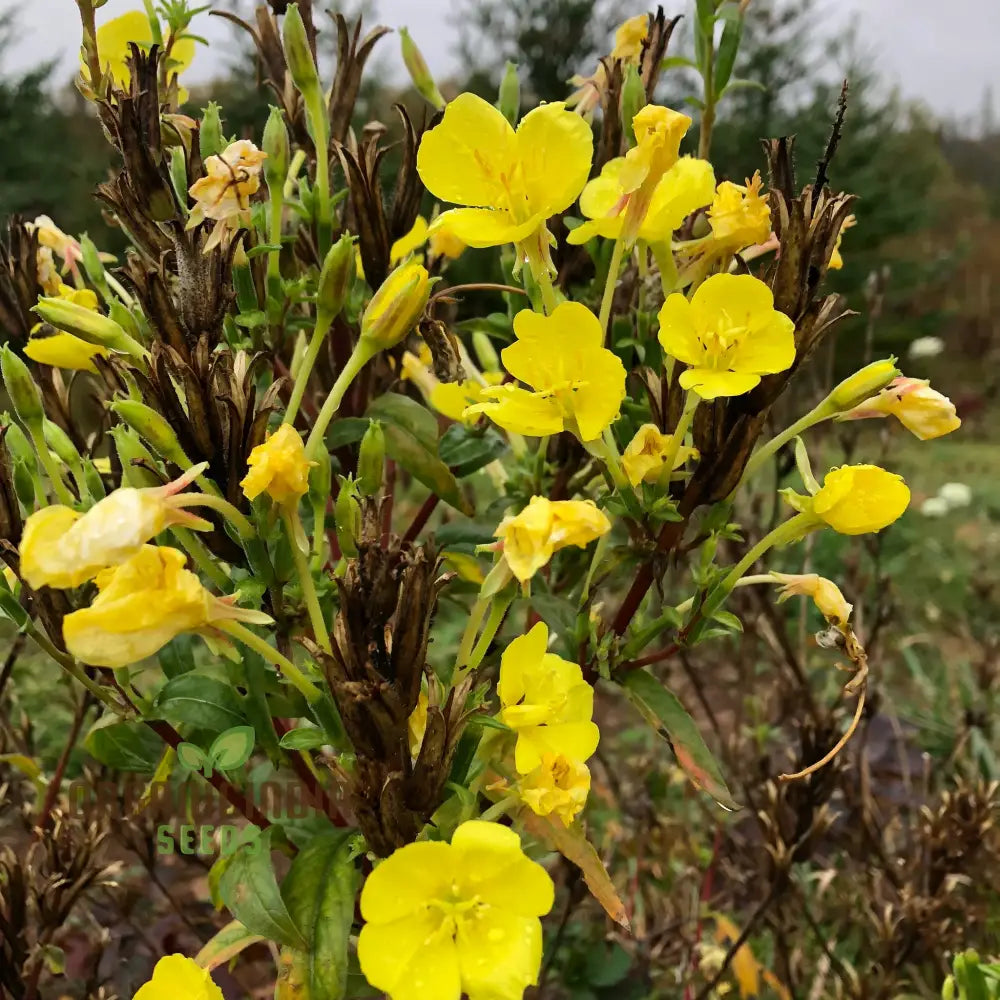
x=597, y=404
x=499, y=954
x=738, y=296
x=678, y=336
x=523, y=654
x=402, y=884
x=410, y=959
x=515, y=409
x=576, y=740
x=463, y=158
x=709, y=383
x=688, y=185
x=555, y=148
x=485, y=227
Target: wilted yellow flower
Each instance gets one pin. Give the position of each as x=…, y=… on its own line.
x=629, y=38
x=645, y=455
x=857, y=499
x=739, y=215
x=231, y=179
x=51, y=237
x=576, y=383
x=141, y=605
x=729, y=334
x=513, y=181
x=545, y=526
x=559, y=786
x=279, y=468
x=446, y=919
x=396, y=306
x=177, y=976
x=545, y=699
x=114, y=36
x=836, y=261
x=688, y=185
x=60, y=349
x=923, y=411
x=63, y=548
x=825, y=594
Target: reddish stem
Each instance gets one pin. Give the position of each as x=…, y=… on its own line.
x=317, y=792
x=422, y=517
x=645, y=661
x=45, y=813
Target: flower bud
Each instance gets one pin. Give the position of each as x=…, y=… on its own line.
x=347, y=516
x=24, y=394
x=298, y=54
x=210, y=138
x=633, y=100
x=275, y=144
x=92, y=262
x=509, y=98
x=137, y=463
x=59, y=442
x=17, y=444
x=489, y=360
x=153, y=428
x=336, y=278
x=420, y=74
x=371, y=459
x=863, y=384
x=396, y=306
x=87, y=324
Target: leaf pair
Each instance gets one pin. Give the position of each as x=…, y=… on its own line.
x=228, y=751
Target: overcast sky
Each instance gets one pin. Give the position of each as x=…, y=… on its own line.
x=942, y=53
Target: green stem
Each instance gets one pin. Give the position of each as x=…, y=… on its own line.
x=243, y=527
x=498, y=608
x=291, y=672
x=316, y=109
x=361, y=355
x=544, y=280
x=498, y=809
x=746, y=581
x=613, y=460
x=815, y=416
x=274, y=235
x=306, y=581
x=691, y=401
x=322, y=328
x=52, y=469
x=476, y=616
x=708, y=112
x=609, y=285
x=203, y=558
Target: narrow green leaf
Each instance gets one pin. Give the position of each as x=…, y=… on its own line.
x=669, y=718
x=199, y=701
x=466, y=450
x=319, y=893
x=675, y=62
x=250, y=891
x=729, y=46
x=304, y=739
x=226, y=945
x=126, y=746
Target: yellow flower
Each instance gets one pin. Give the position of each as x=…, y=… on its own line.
x=113, y=39
x=923, y=411
x=577, y=384
x=231, y=179
x=688, y=185
x=545, y=699
x=729, y=333
x=645, y=454
x=512, y=181
x=857, y=499
x=411, y=241
x=176, y=977
x=416, y=725
x=825, y=594
x=545, y=526
x=444, y=243
x=396, y=306
x=558, y=785
x=453, y=399
x=60, y=349
x=836, y=261
x=52, y=237
x=629, y=38
x=446, y=919
x=739, y=216
x=63, y=548
x=141, y=605
x=279, y=468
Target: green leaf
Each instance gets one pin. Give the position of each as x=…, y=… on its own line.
x=191, y=757
x=668, y=717
x=177, y=657
x=674, y=62
x=411, y=440
x=728, y=621
x=232, y=748
x=226, y=945
x=304, y=739
x=487, y=722
x=125, y=746
x=729, y=46
x=743, y=85
x=319, y=893
x=250, y=891
x=199, y=701
x=251, y=320
x=347, y=430
x=466, y=450
x=261, y=249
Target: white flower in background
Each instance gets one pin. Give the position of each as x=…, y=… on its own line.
x=926, y=347
x=934, y=507
x=955, y=494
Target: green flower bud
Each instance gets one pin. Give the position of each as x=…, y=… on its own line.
x=633, y=100
x=509, y=98
x=347, y=516
x=210, y=139
x=275, y=144
x=396, y=306
x=371, y=459
x=17, y=443
x=131, y=450
x=59, y=442
x=336, y=278
x=87, y=324
x=298, y=54
x=489, y=360
x=153, y=428
x=24, y=394
x=420, y=74
x=948, y=990
x=24, y=484
x=92, y=263
x=862, y=385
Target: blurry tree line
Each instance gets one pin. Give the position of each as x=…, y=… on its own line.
x=929, y=199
